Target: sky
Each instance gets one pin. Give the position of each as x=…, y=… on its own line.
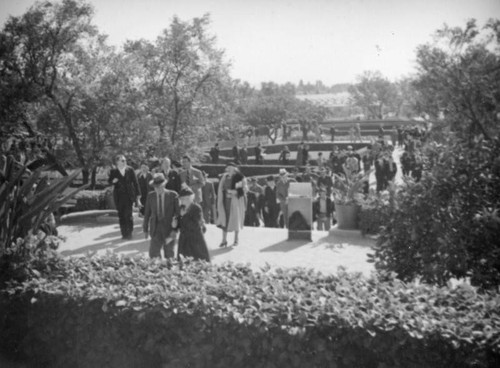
x=291, y=40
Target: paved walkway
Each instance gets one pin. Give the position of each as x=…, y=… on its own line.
x=258, y=246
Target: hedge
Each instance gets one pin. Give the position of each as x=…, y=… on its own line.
x=215, y=170
x=87, y=200
x=124, y=312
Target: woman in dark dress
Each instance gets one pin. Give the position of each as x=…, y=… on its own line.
x=192, y=227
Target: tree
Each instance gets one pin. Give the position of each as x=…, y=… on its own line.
x=269, y=112
x=307, y=115
x=373, y=93
x=459, y=78
x=179, y=73
x=41, y=51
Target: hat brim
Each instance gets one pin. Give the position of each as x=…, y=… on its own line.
x=157, y=184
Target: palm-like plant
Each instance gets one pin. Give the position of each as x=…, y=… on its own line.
x=27, y=199
x=348, y=188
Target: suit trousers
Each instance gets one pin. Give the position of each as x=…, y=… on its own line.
x=284, y=211
x=124, y=208
x=159, y=242
x=324, y=222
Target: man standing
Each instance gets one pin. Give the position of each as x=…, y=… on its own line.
x=173, y=178
x=208, y=204
x=244, y=155
x=160, y=217
x=325, y=182
x=270, y=204
x=126, y=192
x=214, y=153
x=323, y=208
x=236, y=154
x=192, y=178
x=258, y=154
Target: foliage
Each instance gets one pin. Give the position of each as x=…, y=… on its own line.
x=88, y=200
x=348, y=187
x=447, y=225
x=126, y=312
x=375, y=212
x=459, y=79
x=374, y=93
x=27, y=199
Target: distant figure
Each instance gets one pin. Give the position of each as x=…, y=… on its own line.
x=172, y=176
x=332, y=134
x=381, y=131
x=143, y=180
x=160, y=218
x=284, y=156
x=352, y=132
x=244, y=155
x=323, y=208
x=271, y=207
x=191, y=228
x=282, y=188
x=305, y=155
x=208, y=200
x=126, y=192
x=258, y=154
x=192, y=178
x=214, y=153
x=320, y=160
x=236, y=154
x=299, y=160
x=357, y=128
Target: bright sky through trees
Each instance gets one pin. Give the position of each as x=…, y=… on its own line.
x=288, y=40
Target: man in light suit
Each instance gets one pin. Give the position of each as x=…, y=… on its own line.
x=192, y=178
x=162, y=209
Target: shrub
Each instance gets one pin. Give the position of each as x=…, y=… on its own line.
x=88, y=200
x=124, y=312
x=447, y=225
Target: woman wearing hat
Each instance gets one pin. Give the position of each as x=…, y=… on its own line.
x=192, y=227
x=231, y=203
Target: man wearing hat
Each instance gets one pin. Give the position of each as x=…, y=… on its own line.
x=160, y=218
x=282, y=187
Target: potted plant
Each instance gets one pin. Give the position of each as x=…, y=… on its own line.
x=348, y=196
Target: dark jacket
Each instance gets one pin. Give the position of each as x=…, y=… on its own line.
x=126, y=187
x=330, y=207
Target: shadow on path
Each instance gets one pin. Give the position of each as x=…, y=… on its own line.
x=285, y=246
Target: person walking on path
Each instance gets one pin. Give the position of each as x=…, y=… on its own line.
x=172, y=176
x=270, y=204
x=231, y=203
x=126, y=192
x=191, y=228
x=160, y=218
x=284, y=156
x=192, y=178
x=236, y=154
x=332, y=133
x=282, y=188
x=143, y=179
x=208, y=203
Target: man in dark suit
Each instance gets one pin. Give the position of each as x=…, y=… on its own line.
x=126, y=192
x=160, y=218
x=192, y=178
x=270, y=204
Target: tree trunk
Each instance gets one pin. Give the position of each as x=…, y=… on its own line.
x=93, y=178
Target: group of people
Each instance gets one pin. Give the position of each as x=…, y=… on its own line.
x=240, y=155
x=176, y=201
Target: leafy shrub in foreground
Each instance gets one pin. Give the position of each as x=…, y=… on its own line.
x=448, y=224
x=124, y=312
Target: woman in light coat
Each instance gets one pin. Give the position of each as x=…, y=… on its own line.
x=231, y=203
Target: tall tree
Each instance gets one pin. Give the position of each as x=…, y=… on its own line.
x=459, y=78
x=42, y=49
x=374, y=93
x=178, y=71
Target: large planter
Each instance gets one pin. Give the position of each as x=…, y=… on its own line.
x=347, y=216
